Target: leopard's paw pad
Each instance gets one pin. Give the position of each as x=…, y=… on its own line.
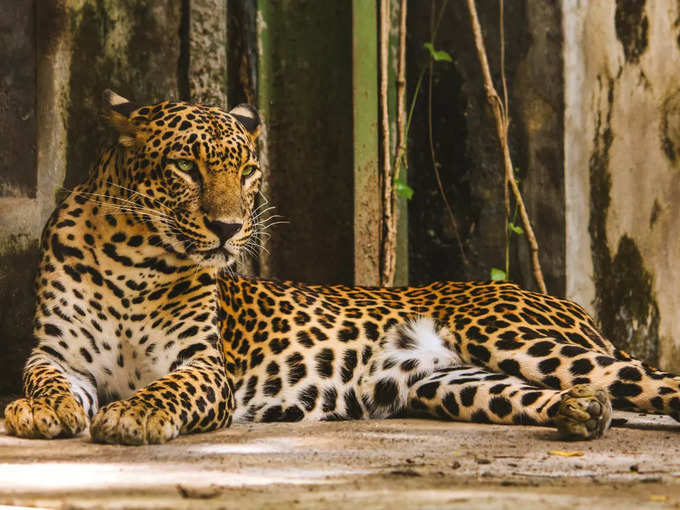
x=584, y=412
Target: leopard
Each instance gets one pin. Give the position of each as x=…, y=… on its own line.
x=144, y=330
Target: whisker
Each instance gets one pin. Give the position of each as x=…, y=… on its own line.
x=257, y=214
x=128, y=207
x=112, y=197
x=260, y=206
x=268, y=225
x=144, y=195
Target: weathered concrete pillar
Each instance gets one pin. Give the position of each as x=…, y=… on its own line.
x=622, y=72
x=207, y=37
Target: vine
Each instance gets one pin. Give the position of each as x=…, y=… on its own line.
x=500, y=111
x=393, y=184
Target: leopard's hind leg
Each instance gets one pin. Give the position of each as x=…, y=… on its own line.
x=418, y=371
x=553, y=343
x=547, y=362
x=469, y=393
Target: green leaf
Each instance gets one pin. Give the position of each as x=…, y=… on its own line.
x=403, y=189
x=515, y=228
x=438, y=55
x=498, y=275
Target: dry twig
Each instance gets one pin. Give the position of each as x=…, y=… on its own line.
x=401, y=91
x=506, y=124
x=500, y=113
x=389, y=217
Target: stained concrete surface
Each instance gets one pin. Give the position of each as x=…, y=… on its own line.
x=360, y=464
x=622, y=69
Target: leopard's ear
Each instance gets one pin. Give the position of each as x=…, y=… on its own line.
x=119, y=116
x=248, y=117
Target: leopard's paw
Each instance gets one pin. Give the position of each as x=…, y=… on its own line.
x=132, y=422
x=584, y=412
x=45, y=417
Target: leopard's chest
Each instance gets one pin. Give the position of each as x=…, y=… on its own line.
x=130, y=354
x=123, y=335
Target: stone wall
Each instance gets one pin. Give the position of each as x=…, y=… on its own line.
x=594, y=133
x=59, y=56
x=19, y=217
x=622, y=170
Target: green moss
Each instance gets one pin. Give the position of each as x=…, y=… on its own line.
x=624, y=291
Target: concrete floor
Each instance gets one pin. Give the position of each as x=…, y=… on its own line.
x=369, y=464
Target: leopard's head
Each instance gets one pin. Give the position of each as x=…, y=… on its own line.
x=195, y=171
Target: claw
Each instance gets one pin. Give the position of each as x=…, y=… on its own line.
x=45, y=417
x=132, y=423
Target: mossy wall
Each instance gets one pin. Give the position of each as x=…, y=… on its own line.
x=67, y=53
x=622, y=173
x=18, y=187
x=116, y=45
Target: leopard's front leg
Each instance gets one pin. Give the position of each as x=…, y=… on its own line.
x=195, y=397
x=57, y=401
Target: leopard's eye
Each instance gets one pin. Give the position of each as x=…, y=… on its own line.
x=190, y=168
x=185, y=165
x=248, y=171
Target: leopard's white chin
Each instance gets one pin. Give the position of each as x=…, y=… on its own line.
x=219, y=258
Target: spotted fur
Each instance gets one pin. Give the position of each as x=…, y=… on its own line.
x=143, y=330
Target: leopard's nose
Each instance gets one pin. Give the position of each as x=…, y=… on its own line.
x=223, y=230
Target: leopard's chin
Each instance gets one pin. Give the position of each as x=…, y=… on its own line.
x=218, y=258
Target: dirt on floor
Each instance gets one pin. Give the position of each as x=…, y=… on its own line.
x=390, y=464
